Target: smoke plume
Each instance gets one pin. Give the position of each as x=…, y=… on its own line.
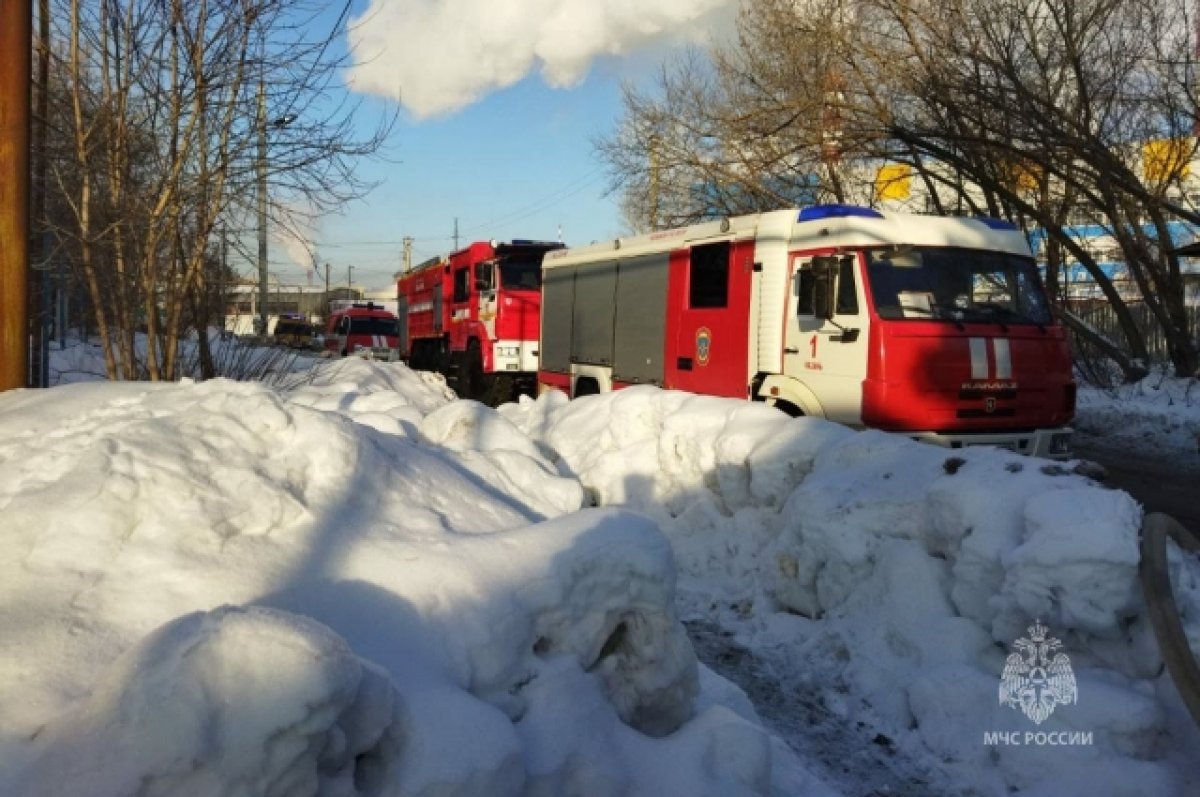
x=439, y=56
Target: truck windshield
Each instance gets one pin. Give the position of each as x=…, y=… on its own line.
x=956, y=285
x=521, y=274
x=373, y=326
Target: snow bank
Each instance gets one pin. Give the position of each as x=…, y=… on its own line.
x=217, y=589
x=898, y=575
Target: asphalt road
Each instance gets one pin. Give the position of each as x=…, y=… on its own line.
x=1159, y=484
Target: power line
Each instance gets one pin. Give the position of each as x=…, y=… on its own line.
x=568, y=190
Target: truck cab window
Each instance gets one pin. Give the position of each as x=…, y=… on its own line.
x=484, y=276
x=709, y=276
x=806, y=291
x=847, y=295
x=462, y=285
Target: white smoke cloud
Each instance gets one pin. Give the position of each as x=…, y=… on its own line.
x=439, y=56
x=294, y=228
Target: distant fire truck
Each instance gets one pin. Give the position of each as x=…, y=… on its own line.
x=474, y=317
x=937, y=328
x=363, y=329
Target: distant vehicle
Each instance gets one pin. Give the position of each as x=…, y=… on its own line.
x=366, y=330
x=936, y=328
x=474, y=316
x=294, y=332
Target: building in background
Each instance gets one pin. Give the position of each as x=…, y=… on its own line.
x=311, y=302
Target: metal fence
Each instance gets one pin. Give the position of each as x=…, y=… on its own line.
x=1102, y=317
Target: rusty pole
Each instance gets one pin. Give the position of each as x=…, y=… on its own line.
x=16, y=37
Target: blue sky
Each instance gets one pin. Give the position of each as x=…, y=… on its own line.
x=503, y=100
x=517, y=164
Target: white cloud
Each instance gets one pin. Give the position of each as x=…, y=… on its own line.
x=439, y=56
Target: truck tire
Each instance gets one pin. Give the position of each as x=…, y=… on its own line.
x=498, y=388
x=471, y=373
x=787, y=408
x=585, y=386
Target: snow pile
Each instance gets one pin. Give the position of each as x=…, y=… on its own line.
x=236, y=700
x=216, y=588
x=897, y=576
x=389, y=399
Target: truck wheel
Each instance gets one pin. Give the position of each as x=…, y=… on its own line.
x=498, y=388
x=586, y=386
x=471, y=376
x=788, y=408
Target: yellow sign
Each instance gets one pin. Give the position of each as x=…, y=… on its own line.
x=1023, y=177
x=893, y=181
x=1166, y=159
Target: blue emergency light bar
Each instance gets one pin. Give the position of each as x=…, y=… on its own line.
x=817, y=212
x=996, y=224
x=528, y=242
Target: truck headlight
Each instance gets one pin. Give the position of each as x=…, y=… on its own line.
x=1060, y=444
x=508, y=351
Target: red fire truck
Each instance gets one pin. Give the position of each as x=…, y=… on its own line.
x=365, y=329
x=937, y=328
x=474, y=316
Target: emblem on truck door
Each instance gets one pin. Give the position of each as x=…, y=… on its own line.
x=703, y=345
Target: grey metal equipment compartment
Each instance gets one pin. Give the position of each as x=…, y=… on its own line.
x=558, y=301
x=640, y=319
x=594, y=312
x=402, y=323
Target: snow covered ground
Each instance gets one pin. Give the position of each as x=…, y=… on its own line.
x=360, y=586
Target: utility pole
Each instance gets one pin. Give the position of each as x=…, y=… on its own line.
x=408, y=242
x=325, y=297
x=16, y=38
x=350, y=280
x=654, y=187
x=39, y=276
x=455, y=233
x=262, y=207
x=222, y=301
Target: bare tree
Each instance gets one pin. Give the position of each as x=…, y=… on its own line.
x=1032, y=110
x=170, y=103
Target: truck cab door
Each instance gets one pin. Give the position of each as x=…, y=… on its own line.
x=485, y=284
x=825, y=337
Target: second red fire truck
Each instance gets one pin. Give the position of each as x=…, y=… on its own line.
x=474, y=316
x=364, y=329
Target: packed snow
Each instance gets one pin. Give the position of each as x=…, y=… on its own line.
x=358, y=585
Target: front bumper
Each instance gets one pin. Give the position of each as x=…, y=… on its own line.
x=380, y=353
x=1046, y=443
x=515, y=356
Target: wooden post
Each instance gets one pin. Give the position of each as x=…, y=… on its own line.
x=16, y=36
